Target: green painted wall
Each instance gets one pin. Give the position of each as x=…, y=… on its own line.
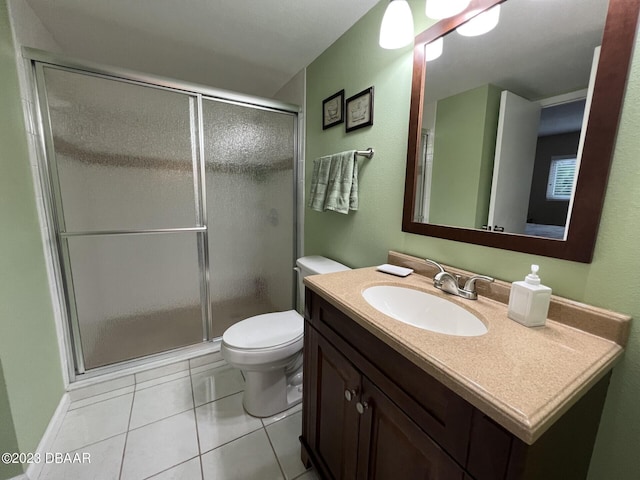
x=8, y=440
x=463, y=151
x=28, y=344
x=363, y=238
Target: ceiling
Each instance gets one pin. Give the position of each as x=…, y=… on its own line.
x=249, y=46
x=540, y=49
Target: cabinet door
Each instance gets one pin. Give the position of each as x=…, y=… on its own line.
x=431, y=405
x=331, y=420
x=391, y=446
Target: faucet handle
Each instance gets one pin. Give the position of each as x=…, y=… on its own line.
x=435, y=264
x=470, y=285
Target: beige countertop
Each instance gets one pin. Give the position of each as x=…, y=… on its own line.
x=523, y=378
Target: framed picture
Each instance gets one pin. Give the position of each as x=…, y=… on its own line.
x=360, y=110
x=333, y=110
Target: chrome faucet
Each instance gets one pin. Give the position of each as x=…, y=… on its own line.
x=449, y=283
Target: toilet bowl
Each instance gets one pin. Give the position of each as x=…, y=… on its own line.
x=267, y=349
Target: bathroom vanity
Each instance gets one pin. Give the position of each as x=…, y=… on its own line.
x=387, y=400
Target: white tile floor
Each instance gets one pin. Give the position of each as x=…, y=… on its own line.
x=181, y=422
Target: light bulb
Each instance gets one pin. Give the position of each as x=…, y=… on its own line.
x=396, y=30
x=433, y=50
x=483, y=23
x=439, y=9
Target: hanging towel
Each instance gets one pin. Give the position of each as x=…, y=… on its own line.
x=334, y=183
x=319, y=181
x=342, y=190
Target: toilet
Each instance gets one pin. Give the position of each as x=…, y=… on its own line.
x=267, y=349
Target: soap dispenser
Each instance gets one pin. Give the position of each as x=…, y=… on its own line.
x=529, y=301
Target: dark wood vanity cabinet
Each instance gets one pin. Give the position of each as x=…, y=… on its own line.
x=369, y=413
x=358, y=432
x=333, y=435
x=391, y=445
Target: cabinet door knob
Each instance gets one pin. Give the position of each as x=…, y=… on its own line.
x=361, y=407
x=350, y=394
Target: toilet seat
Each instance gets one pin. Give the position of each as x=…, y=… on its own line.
x=264, y=342
x=268, y=331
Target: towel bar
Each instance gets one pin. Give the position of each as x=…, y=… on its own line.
x=365, y=153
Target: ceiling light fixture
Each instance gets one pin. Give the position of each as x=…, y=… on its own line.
x=439, y=9
x=481, y=24
x=433, y=50
x=396, y=30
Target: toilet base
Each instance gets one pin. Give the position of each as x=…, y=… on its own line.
x=267, y=393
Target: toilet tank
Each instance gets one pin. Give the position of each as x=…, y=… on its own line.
x=314, y=265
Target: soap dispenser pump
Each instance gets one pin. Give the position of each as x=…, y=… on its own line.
x=529, y=300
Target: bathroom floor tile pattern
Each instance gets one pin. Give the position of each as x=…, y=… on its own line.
x=187, y=425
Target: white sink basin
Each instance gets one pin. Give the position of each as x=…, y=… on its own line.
x=424, y=310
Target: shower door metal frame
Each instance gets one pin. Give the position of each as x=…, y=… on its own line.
x=49, y=185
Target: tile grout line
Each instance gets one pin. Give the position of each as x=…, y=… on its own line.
x=161, y=383
x=126, y=438
x=100, y=401
x=195, y=419
x=233, y=440
x=219, y=398
x=134, y=387
x=155, y=421
x=168, y=416
x=208, y=366
x=284, y=475
x=135, y=382
x=129, y=429
x=91, y=444
x=171, y=467
x=190, y=374
x=159, y=420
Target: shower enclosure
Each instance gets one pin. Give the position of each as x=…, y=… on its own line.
x=173, y=208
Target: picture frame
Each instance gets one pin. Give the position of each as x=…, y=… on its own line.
x=359, y=110
x=333, y=110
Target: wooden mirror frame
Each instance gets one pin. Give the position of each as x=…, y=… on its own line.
x=608, y=96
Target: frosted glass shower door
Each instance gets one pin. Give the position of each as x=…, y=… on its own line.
x=135, y=295
x=250, y=182
x=126, y=180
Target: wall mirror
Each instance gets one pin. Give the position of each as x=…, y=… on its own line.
x=511, y=133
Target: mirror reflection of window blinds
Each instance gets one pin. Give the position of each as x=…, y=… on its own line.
x=561, y=178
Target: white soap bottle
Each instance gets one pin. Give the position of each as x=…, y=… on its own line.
x=529, y=301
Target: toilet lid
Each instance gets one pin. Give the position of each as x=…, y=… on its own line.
x=265, y=331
